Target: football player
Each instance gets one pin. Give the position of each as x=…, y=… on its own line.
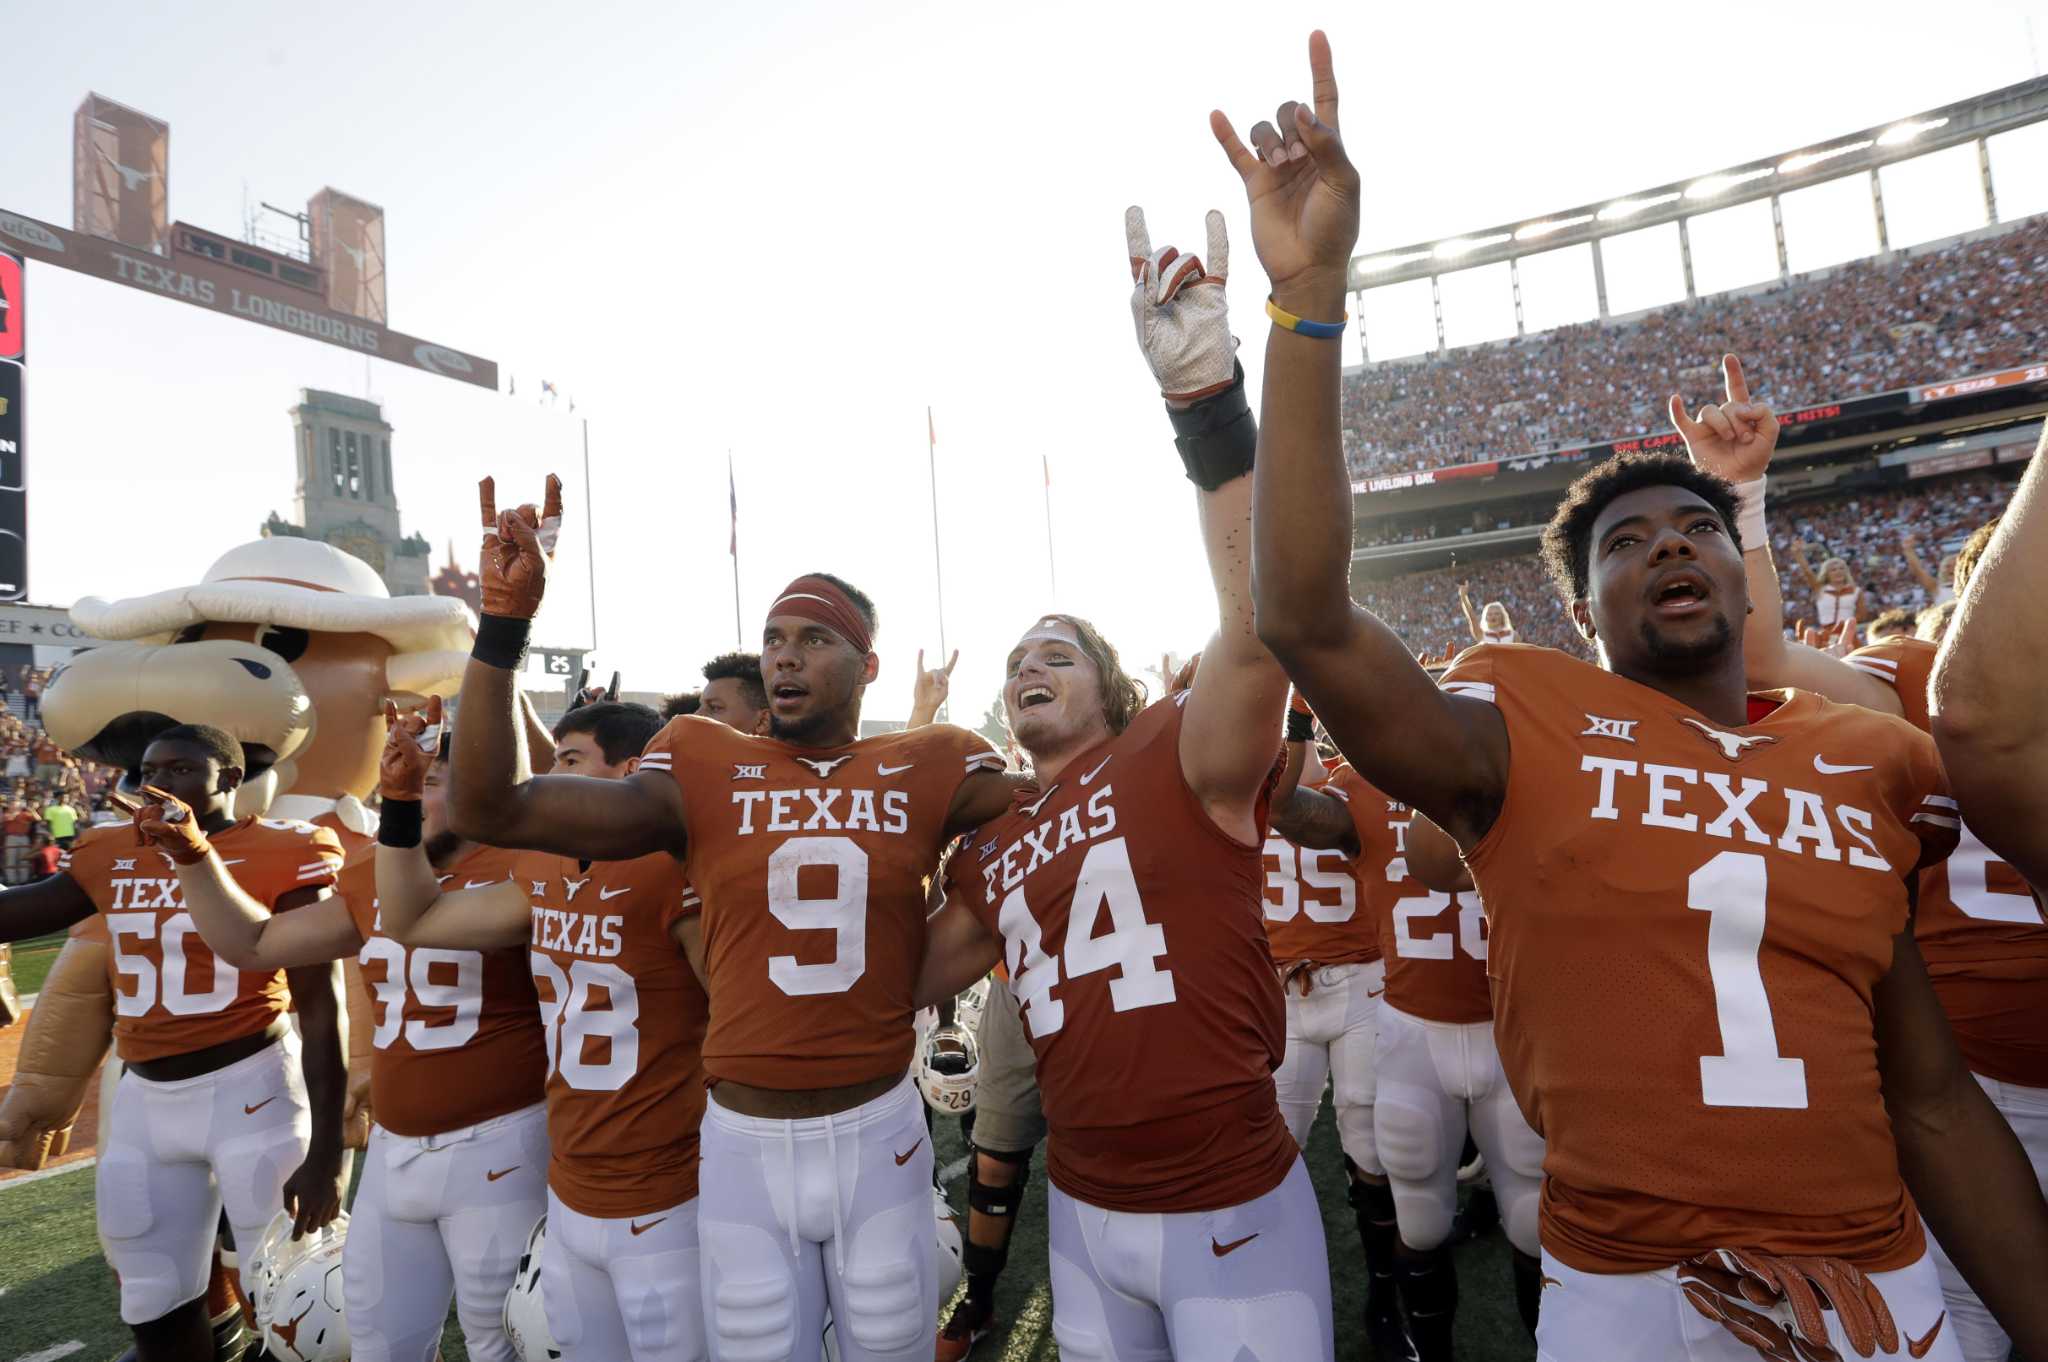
x=1328, y=956
x=1438, y=1074
x=221, y=1102
x=1708, y=997
x=623, y=1018
x=1978, y=927
x=733, y=693
x=455, y=1172
x=810, y=848
x=1122, y=893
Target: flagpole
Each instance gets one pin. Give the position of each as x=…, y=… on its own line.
x=589, y=536
x=733, y=547
x=1051, y=565
x=938, y=565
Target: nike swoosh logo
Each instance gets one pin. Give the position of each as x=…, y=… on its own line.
x=904, y=1157
x=251, y=1111
x=1545, y=1283
x=882, y=770
x=1375, y=992
x=1098, y=768
x=1221, y=1250
x=639, y=1230
x=478, y=884
x=1828, y=768
x=613, y=893
x=1919, y=1347
x=493, y=1177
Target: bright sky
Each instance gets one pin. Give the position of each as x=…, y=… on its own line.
x=784, y=230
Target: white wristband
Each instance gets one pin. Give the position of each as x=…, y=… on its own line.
x=1749, y=515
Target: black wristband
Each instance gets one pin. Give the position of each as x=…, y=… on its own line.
x=401, y=823
x=1217, y=436
x=501, y=641
x=1301, y=726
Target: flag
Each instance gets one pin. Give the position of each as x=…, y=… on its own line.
x=732, y=494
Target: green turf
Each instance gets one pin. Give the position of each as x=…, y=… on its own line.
x=55, y=1287
x=32, y=962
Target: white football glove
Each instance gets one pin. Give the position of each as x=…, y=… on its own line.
x=1182, y=319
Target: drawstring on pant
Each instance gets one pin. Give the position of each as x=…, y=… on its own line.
x=838, y=1217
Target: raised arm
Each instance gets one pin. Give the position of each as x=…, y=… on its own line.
x=1471, y=616
x=1444, y=753
x=1918, y=567
x=496, y=799
x=1966, y=1170
x=928, y=694
x=1987, y=685
x=1735, y=440
x=247, y=935
x=1305, y=816
x=1806, y=572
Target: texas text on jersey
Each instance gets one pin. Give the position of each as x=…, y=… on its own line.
x=1978, y=924
x=1686, y=936
x=623, y=1017
x=1434, y=943
x=1157, y=1021
x=812, y=864
x=171, y=995
x=458, y=1035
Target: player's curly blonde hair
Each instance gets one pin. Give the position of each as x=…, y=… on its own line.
x=1123, y=695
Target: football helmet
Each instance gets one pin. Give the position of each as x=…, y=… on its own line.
x=301, y=1311
x=526, y=1317
x=969, y=1006
x=948, y=1068
x=265, y=1259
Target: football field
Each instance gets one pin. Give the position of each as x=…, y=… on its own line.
x=56, y=1290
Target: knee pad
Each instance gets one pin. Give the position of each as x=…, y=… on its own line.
x=1355, y=1134
x=1408, y=1140
x=883, y=1311
x=995, y=1200
x=749, y=1292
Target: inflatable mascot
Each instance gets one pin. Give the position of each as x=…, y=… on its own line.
x=292, y=646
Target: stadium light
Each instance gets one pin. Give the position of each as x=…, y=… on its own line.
x=1381, y=263
x=1451, y=250
x=1792, y=165
x=1721, y=184
x=1628, y=208
x=1906, y=132
x=1545, y=228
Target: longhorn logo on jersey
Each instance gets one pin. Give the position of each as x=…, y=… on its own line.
x=824, y=768
x=1733, y=746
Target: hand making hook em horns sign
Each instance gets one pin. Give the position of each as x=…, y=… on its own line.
x=518, y=547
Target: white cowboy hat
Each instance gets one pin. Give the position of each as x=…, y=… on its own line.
x=299, y=584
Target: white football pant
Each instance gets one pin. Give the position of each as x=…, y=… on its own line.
x=1330, y=1041
x=627, y=1288
x=441, y=1216
x=172, y=1155
x=1589, y=1315
x=2026, y=1110
x=1247, y=1283
x=831, y=1210
x=1435, y=1079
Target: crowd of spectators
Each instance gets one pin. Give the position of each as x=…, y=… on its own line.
x=1869, y=532
x=46, y=794
x=1865, y=327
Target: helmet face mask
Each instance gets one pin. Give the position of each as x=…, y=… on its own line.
x=525, y=1317
x=949, y=1069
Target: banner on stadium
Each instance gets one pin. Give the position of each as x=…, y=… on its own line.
x=13, y=428
x=220, y=287
x=1965, y=387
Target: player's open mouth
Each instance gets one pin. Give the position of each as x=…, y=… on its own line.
x=1033, y=696
x=1683, y=592
x=789, y=692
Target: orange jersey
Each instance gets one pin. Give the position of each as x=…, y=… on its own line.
x=1979, y=925
x=623, y=1018
x=1312, y=906
x=1434, y=944
x=171, y=996
x=812, y=865
x=458, y=1037
x=1137, y=954
x=1688, y=923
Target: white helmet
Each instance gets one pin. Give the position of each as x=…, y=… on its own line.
x=301, y=1311
x=969, y=1006
x=526, y=1317
x=948, y=1247
x=948, y=1067
x=265, y=1257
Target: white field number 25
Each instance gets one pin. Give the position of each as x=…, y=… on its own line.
x=1132, y=944
x=1749, y=1071
x=439, y=979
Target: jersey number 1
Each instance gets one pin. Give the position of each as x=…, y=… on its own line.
x=1749, y=1071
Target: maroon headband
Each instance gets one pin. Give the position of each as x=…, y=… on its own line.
x=822, y=602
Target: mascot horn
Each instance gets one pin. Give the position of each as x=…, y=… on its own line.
x=290, y=645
